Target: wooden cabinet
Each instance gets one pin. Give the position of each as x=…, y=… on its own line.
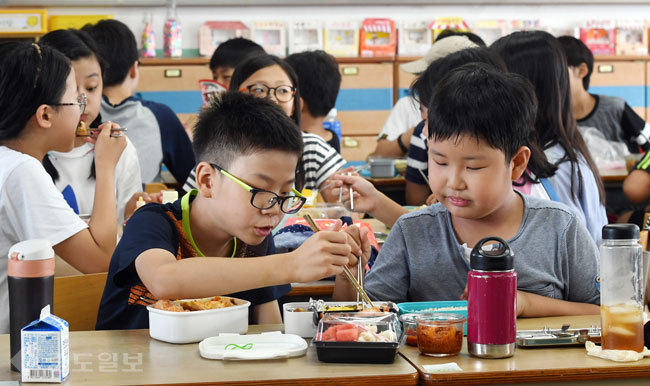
x=625, y=79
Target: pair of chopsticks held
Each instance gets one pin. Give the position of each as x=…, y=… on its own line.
x=356, y=170
x=358, y=285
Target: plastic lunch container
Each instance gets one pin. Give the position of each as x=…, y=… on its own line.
x=194, y=326
x=410, y=326
x=361, y=337
x=449, y=307
x=440, y=334
x=301, y=318
x=381, y=167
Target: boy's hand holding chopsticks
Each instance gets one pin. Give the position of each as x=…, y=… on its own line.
x=322, y=255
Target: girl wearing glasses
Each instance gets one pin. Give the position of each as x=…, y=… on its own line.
x=74, y=172
x=267, y=76
x=39, y=112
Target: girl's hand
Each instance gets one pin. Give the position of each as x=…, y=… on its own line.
x=365, y=194
x=108, y=149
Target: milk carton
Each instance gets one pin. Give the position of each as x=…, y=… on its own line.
x=45, y=352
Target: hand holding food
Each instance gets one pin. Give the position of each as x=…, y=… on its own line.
x=108, y=148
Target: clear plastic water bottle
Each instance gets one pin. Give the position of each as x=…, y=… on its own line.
x=621, y=288
x=332, y=123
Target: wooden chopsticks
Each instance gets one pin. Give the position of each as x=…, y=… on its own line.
x=346, y=270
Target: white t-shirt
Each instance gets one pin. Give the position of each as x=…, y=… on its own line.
x=404, y=116
x=74, y=169
x=31, y=207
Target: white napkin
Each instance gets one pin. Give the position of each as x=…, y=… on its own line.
x=442, y=368
x=616, y=355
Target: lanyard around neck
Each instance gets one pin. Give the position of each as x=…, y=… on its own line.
x=185, y=209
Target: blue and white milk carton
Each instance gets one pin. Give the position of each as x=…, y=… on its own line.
x=45, y=351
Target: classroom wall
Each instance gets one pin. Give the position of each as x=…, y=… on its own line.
x=561, y=18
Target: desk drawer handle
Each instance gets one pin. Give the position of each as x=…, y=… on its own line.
x=173, y=73
x=350, y=70
x=350, y=142
x=605, y=68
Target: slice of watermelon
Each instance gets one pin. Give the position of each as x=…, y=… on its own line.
x=348, y=334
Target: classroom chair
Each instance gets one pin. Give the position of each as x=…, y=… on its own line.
x=76, y=299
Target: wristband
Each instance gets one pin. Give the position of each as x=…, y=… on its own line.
x=401, y=144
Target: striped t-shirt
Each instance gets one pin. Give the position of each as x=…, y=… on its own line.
x=320, y=161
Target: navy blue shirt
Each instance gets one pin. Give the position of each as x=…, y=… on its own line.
x=416, y=162
x=152, y=227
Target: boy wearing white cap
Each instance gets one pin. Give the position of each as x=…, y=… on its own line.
x=395, y=137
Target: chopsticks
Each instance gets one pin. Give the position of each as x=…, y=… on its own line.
x=118, y=130
x=314, y=227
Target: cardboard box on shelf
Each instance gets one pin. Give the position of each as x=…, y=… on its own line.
x=305, y=36
x=414, y=38
x=490, y=30
x=23, y=22
x=452, y=23
x=272, y=35
x=341, y=39
x=599, y=36
x=631, y=37
x=377, y=38
x=523, y=25
x=213, y=33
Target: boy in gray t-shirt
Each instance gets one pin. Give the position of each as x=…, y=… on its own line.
x=480, y=121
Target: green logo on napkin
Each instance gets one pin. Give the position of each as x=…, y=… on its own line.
x=232, y=346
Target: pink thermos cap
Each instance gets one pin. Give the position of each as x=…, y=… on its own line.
x=31, y=258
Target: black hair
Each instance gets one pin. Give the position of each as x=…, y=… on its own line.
x=422, y=87
x=320, y=80
x=74, y=44
x=30, y=76
x=576, y=53
x=253, y=64
x=474, y=38
x=234, y=51
x=539, y=57
x=486, y=103
x=237, y=124
x=117, y=45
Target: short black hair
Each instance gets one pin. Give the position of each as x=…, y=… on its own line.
x=30, y=75
x=255, y=63
x=474, y=38
x=117, y=45
x=478, y=100
x=320, y=80
x=237, y=124
x=234, y=51
x=422, y=88
x=576, y=53
x=74, y=44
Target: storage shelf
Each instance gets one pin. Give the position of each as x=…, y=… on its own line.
x=398, y=59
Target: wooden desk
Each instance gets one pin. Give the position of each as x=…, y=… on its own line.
x=391, y=181
x=164, y=363
x=531, y=365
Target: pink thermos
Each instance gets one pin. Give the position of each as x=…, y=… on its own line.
x=491, y=300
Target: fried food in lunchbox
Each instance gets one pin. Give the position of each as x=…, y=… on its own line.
x=168, y=305
x=195, y=304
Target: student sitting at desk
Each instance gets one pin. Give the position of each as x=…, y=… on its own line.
x=612, y=116
x=538, y=56
x=248, y=150
x=154, y=129
x=480, y=123
x=320, y=80
x=228, y=55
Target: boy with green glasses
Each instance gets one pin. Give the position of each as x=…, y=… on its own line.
x=240, y=142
